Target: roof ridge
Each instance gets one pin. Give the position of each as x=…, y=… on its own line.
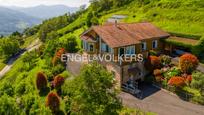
x=119, y=23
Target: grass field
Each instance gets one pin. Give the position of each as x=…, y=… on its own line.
x=2, y=64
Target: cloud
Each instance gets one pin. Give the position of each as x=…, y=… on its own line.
x=27, y=3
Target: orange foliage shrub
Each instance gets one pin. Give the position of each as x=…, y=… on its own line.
x=58, y=55
x=177, y=81
x=189, y=78
x=41, y=81
x=188, y=63
x=58, y=81
x=155, y=61
x=53, y=101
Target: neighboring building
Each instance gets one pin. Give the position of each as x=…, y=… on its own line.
x=115, y=18
x=118, y=39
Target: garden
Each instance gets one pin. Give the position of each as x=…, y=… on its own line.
x=181, y=78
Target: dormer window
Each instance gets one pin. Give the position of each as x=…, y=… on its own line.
x=154, y=44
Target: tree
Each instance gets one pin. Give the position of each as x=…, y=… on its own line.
x=41, y=81
x=9, y=46
x=8, y=106
x=52, y=35
x=92, y=92
x=53, y=102
x=88, y=19
x=70, y=44
x=188, y=63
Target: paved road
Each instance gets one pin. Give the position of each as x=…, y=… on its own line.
x=162, y=103
x=13, y=59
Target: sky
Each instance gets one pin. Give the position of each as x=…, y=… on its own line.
x=29, y=3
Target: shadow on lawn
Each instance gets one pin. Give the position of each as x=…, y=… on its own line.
x=44, y=92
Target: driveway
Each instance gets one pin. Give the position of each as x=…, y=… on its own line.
x=161, y=102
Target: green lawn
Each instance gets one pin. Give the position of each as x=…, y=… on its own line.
x=131, y=111
x=29, y=41
x=2, y=64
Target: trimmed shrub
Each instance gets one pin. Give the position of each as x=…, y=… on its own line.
x=197, y=80
x=188, y=63
x=58, y=81
x=155, y=62
x=153, y=53
x=41, y=81
x=177, y=81
x=53, y=102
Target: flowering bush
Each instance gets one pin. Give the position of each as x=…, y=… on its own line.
x=155, y=61
x=159, y=78
x=174, y=72
x=41, y=81
x=157, y=72
x=58, y=81
x=53, y=102
x=177, y=81
x=165, y=60
x=188, y=63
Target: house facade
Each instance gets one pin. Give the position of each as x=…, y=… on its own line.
x=124, y=39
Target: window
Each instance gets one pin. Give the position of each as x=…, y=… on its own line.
x=110, y=50
x=144, y=46
x=103, y=47
x=154, y=44
x=106, y=48
x=85, y=45
x=91, y=48
x=130, y=50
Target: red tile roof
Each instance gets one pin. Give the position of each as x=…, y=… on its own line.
x=127, y=34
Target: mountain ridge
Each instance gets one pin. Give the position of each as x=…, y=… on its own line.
x=46, y=11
